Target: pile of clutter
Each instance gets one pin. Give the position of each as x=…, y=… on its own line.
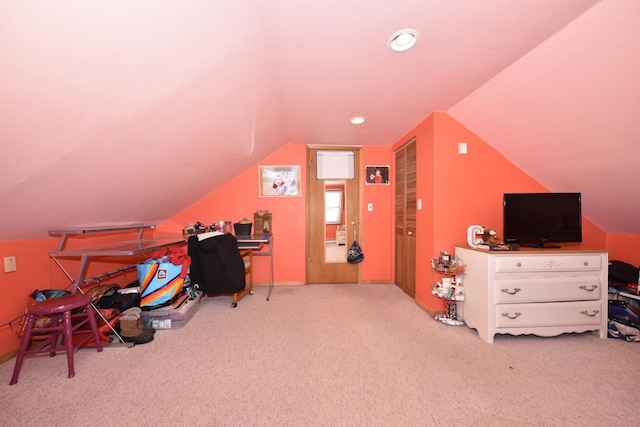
x=624, y=301
x=450, y=289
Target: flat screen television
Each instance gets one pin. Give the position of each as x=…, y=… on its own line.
x=537, y=219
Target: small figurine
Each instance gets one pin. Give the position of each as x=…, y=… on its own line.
x=490, y=237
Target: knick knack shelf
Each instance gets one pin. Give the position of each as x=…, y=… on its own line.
x=450, y=287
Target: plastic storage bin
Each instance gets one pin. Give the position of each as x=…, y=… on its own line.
x=171, y=318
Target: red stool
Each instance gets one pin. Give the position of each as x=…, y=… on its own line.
x=59, y=309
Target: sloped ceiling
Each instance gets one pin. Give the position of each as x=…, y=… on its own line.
x=109, y=109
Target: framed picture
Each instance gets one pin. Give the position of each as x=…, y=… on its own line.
x=377, y=175
x=279, y=181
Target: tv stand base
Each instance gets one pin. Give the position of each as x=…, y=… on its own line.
x=539, y=246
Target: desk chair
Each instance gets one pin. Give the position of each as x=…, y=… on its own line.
x=218, y=266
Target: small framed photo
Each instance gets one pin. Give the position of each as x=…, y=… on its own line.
x=279, y=181
x=377, y=175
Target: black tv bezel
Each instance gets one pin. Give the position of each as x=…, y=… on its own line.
x=538, y=240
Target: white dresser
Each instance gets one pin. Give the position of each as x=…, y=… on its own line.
x=544, y=292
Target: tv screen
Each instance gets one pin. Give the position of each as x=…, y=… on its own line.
x=536, y=219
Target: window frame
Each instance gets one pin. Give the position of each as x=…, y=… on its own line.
x=331, y=192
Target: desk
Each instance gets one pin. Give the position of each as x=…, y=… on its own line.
x=256, y=243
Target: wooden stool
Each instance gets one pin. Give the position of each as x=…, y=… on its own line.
x=59, y=309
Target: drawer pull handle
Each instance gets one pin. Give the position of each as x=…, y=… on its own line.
x=586, y=313
x=519, y=264
x=589, y=288
x=586, y=263
x=513, y=292
x=514, y=316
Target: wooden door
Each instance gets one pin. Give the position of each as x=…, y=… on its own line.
x=320, y=268
x=405, y=218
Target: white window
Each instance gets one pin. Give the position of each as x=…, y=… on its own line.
x=332, y=206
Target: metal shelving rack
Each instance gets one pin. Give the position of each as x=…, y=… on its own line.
x=136, y=246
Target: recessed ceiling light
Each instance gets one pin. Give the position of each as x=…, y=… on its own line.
x=402, y=40
x=357, y=120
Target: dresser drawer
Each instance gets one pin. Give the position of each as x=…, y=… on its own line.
x=549, y=263
x=548, y=314
x=547, y=289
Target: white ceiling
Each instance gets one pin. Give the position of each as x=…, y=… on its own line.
x=148, y=100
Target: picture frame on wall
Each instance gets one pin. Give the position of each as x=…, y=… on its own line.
x=377, y=175
x=279, y=181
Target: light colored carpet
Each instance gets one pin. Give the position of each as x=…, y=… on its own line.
x=330, y=355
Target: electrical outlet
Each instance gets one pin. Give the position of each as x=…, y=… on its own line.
x=370, y=207
x=9, y=264
x=462, y=148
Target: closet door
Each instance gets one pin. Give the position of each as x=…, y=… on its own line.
x=405, y=218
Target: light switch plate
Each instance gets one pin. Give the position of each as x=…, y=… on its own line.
x=9, y=264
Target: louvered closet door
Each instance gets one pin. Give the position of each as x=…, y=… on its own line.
x=405, y=218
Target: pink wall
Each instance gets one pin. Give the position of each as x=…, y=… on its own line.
x=35, y=270
x=239, y=198
x=624, y=247
x=456, y=191
x=377, y=226
x=461, y=190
